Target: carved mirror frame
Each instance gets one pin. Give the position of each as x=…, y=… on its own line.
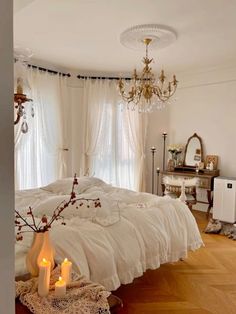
x=186, y=148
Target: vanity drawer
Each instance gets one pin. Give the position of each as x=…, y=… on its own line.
x=204, y=183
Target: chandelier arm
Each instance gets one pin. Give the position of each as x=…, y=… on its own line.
x=18, y=116
x=164, y=97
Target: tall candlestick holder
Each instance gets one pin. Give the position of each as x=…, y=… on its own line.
x=158, y=174
x=153, y=150
x=164, y=135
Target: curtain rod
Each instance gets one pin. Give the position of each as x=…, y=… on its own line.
x=101, y=77
x=48, y=70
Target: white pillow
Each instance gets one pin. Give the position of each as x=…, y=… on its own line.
x=64, y=186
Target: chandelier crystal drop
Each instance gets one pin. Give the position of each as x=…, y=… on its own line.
x=147, y=92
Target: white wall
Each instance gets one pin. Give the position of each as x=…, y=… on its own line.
x=158, y=122
x=205, y=104
x=7, y=274
x=209, y=109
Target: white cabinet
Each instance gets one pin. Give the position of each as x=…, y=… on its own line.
x=224, y=203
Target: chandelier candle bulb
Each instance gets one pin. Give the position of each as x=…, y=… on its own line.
x=66, y=268
x=44, y=278
x=60, y=288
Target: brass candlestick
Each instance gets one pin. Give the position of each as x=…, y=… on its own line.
x=153, y=150
x=164, y=135
x=158, y=173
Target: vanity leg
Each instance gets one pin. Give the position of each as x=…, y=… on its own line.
x=210, y=202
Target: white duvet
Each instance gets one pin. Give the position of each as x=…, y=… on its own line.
x=114, y=244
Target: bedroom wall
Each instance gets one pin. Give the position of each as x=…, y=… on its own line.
x=6, y=161
x=158, y=122
x=205, y=104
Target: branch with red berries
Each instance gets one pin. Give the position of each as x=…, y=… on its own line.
x=45, y=224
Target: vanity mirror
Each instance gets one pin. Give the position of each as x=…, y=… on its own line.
x=193, y=151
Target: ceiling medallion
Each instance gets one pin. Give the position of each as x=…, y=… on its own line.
x=161, y=36
x=147, y=92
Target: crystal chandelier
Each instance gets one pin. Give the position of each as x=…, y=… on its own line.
x=21, y=84
x=147, y=92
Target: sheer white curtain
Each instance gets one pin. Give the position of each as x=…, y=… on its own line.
x=135, y=128
x=114, y=138
x=39, y=154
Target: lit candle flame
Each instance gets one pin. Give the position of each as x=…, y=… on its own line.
x=60, y=278
x=65, y=260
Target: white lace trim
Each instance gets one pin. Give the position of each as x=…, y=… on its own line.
x=82, y=296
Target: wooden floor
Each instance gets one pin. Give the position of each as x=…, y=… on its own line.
x=203, y=283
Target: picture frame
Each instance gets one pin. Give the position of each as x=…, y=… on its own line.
x=213, y=159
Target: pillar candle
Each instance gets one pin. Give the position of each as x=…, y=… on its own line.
x=44, y=277
x=60, y=288
x=66, y=268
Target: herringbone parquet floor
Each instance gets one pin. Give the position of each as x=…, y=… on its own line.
x=203, y=283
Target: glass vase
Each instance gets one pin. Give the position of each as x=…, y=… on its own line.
x=41, y=248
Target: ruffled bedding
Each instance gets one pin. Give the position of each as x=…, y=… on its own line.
x=114, y=244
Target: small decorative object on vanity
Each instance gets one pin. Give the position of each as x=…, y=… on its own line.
x=170, y=165
x=175, y=150
x=41, y=246
x=211, y=162
x=201, y=165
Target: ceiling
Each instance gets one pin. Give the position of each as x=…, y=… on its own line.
x=85, y=34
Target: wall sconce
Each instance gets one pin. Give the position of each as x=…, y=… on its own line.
x=20, y=98
x=21, y=85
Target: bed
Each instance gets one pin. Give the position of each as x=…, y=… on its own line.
x=117, y=242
